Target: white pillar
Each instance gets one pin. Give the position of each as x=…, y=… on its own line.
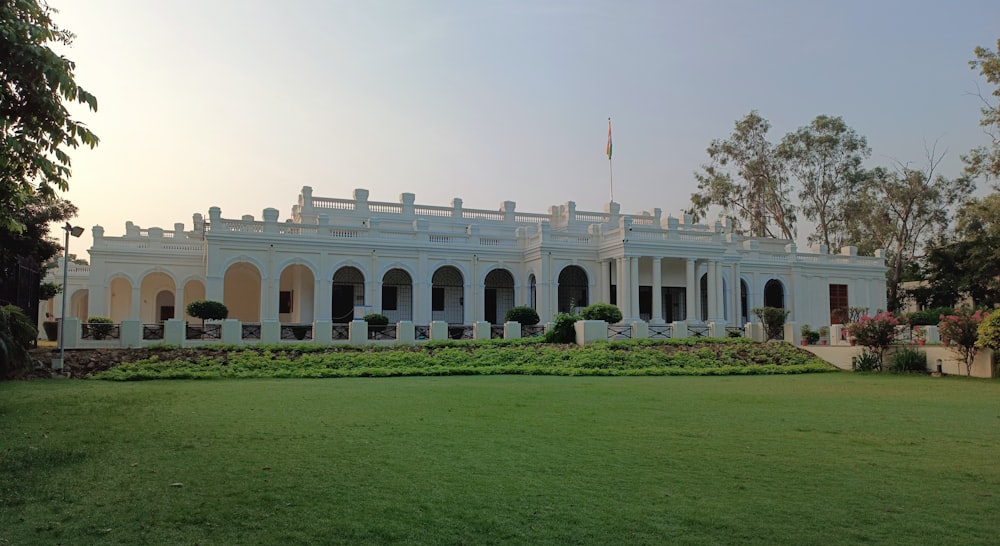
x=736, y=317
x=633, y=286
x=178, y=303
x=720, y=293
x=136, y=302
x=619, y=285
x=543, y=287
x=625, y=288
x=690, y=295
x=712, y=288
x=657, y=291
x=605, y=280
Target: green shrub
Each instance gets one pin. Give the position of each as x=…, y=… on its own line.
x=376, y=319
x=773, y=319
x=602, y=311
x=989, y=332
x=523, y=315
x=908, y=360
x=867, y=361
x=100, y=326
x=17, y=333
x=207, y=310
x=928, y=317
x=562, y=330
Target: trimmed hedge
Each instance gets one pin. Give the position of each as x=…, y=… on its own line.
x=520, y=357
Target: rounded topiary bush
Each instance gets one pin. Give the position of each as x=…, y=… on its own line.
x=208, y=310
x=376, y=319
x=523, y=315
x=602, y=311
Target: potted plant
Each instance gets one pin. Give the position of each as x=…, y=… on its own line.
x=51, y=328
x=824, y=333
x=919, y=335
x=809, y=336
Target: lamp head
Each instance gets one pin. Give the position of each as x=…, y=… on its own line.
x=76, y=231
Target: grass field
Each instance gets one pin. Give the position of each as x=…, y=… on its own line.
x=804, y=459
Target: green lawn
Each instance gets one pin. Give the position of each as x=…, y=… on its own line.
x=803, y=459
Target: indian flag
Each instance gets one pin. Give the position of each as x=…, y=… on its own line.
x=608, y=151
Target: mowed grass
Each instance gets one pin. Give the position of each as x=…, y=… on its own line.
x=804, y=459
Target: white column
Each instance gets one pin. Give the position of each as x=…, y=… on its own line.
x=619, y=285
x=713, y=291
x=178, y=303
x=690, y=293
x=625, y=288
x=634, y=288
x=605, y=280
x=136, y=302
x=737, y=315
x=720, y=298
x=657, y=290
x=322, y=300
x=543, y=287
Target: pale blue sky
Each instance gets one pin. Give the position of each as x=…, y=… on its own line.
x=238, y=104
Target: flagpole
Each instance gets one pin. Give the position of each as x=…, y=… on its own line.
x=611, y=170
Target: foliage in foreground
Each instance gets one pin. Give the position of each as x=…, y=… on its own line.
x=638, y=357
x=36, y=129
x=16, y=336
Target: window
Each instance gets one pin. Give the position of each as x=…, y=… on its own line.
x=389, y=298
x=838, y=303
x=284, y=301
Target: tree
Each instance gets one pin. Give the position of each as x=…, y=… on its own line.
x=748, y=180
x=967, y=263
x=825, y=157
x=35, y=128
x=207, y=310
x=900, y=210
x=985, y=160
x=32, y=240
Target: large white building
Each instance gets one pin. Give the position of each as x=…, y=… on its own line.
x=334, y=258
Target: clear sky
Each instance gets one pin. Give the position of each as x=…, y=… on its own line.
x=238, y=104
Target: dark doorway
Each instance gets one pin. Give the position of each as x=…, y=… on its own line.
x=490, y=306
x=343, y=303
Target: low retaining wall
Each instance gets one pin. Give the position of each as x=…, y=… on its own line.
x=950, y=361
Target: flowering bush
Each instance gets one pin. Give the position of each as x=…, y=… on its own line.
x=876, y=333
x=962, y=330
x=919, y=333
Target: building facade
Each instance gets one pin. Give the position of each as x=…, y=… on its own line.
x=335, y=259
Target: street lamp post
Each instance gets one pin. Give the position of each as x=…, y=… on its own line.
x=75, y=231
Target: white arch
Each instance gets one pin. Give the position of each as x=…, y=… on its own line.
x=397, y=265
x=482, y=276
x=243, y=258
x=466, y=276
x=158, y=269
x=348, y=262
x=296, y=261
